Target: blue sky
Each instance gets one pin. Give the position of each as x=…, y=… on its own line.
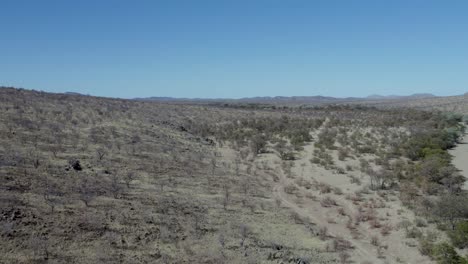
x=236, y=48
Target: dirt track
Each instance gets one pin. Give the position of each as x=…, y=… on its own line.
x=460, y=158
x=360, y=252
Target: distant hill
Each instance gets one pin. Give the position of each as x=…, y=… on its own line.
x=260, y=100
x=391, y=97
x=288, y=99
x=75, y=93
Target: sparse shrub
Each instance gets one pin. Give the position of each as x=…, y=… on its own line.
x=290, y=189
x=354, y=179
x=328, y=202
x=297, y=218
x=419, y=222
x=327, y=138
x=380, y=252
x=405, y=224
x=375, y=223
x=278, y=202
x=340, y=170
x=386, y=229
x=304, y=183
x=324, y=188
x=340, y=244
x=337, y=191
x=413, y=232
x=323, y=232
x=315, y=160
x=344, y=257
x=341, y=211
x=342, y=154
x=311, y=196
x=349, y=224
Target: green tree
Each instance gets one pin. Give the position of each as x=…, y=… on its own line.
x=459, y=236
x=444, y=253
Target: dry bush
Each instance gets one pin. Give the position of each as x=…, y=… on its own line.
x=311, y=196
x=291, y=189
x=304, y=183
x=375, y=223
x=340, y=170
x=342, y=211
x=354, y=179
x=381, y=252
x=413, y=232
x=278, y=202
x=386, y=229
x=345, y=257
x=324, y=188
x=337, y=191
x=355, y=234
x=343, y=153
x=354, y=198
x=340, y=244
x=323, y=233
x=328, y=202
x=405, y=224
x=350, y=224
x=375, y=241
x=419, y=222
x=297, y=218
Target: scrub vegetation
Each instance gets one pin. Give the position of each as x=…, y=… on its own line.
x=99, y=180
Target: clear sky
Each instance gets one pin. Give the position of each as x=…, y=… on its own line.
x=235, y=48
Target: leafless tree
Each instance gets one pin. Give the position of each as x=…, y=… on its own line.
x=213, y=166
x=244, y=233
x=36, y=161
x=40, y=245
x=237, y=163
x=101, y=153
x=257, y=144
x=86, y=191
x=222, y=240
x=51, y=194
x=226, y=196
x=115, y=186
x=129, y=177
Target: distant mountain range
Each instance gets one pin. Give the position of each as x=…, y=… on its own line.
x=290, y=99
x=413, y=96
